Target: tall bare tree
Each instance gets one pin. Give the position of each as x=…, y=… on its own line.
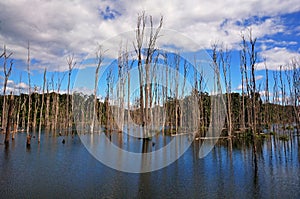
x=225, y=63
x=71, y=65
x=99, y=60
x=47, y=119
x=7, y=73
x=42, y=106
x=29, y=95
x=144, y=68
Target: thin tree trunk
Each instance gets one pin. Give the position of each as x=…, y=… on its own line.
x=7, y=73
x=29, y=97
x=71, y=65
x=9, y=118
x=42, y=107
x=99, y=57
x=47, y=119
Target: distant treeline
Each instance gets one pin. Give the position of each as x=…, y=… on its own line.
x=55, y=115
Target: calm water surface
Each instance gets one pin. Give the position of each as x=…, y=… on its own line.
x=56, y=170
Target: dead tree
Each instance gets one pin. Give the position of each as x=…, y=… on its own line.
x=42, y=107
x=267, y=100
x=9, y=119
x=47, y=119
x=29, y=96
x=144, y=68
x=99, y=60
x=225, y=63
x=18, y=110
x=71, y=65
x=36, y=104
x=7, y=73
x=57, y=102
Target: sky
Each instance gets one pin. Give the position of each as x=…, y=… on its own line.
x=56, y=29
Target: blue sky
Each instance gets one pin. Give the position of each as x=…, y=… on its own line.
x=56, y=29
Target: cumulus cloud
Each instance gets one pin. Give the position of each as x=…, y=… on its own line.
x=276, y=57
x=57, y=28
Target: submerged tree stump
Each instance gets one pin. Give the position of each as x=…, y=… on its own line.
x=28, y=140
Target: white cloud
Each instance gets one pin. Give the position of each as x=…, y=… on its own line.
x=56, y=28
x=276, y=57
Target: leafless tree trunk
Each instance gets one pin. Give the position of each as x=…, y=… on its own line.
x=246, y=82
x=7, y=73
x=253, y=58
x=275, y=97
x=57, y=103
x=71, y=65
x=36, y=102
x=225, y=63
x=177, y=63
x=47, y=119
x=150, y=49
x=42, y=107
x=242, y=115
x=29, y=96
x=251, y=86
x=296, y=88
x=185, y=71
x=282, y=88
x=267, y=99
x=9, y=118
x=18, y=111
x=99, y=58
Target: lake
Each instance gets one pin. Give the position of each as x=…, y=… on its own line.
x=56, y=170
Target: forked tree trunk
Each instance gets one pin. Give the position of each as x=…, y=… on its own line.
x=7, y=73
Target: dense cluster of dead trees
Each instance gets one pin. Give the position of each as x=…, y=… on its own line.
x=159, y=89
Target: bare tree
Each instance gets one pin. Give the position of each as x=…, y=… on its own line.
x=29, y=96
x=18, y=110
x=47, y=119
x=57, y=102
x=149, y=52
x=242, y=68
x=9, y=119
x=296, y=88
x=225, y=63
x=99, y=60
x=7, y=73
x=36, y=104
x=267, y=99
x=42, y=106
x=71, y=65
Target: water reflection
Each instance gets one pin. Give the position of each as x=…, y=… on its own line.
x=53, y=169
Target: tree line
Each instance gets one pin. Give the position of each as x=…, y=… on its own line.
x=256, y=108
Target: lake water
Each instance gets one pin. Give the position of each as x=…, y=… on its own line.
x=56, y=170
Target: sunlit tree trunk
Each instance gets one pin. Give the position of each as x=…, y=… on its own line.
x=267, y=95
x=99, y=58
x=29, y=97
x=36, y=104
x=282, y=91
x=225, y=63
x=42, y=107
x=242, y=114
x=149, y=51
x=7, y=73
x=9, y=119
x=71, y=64
x=47, y=119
